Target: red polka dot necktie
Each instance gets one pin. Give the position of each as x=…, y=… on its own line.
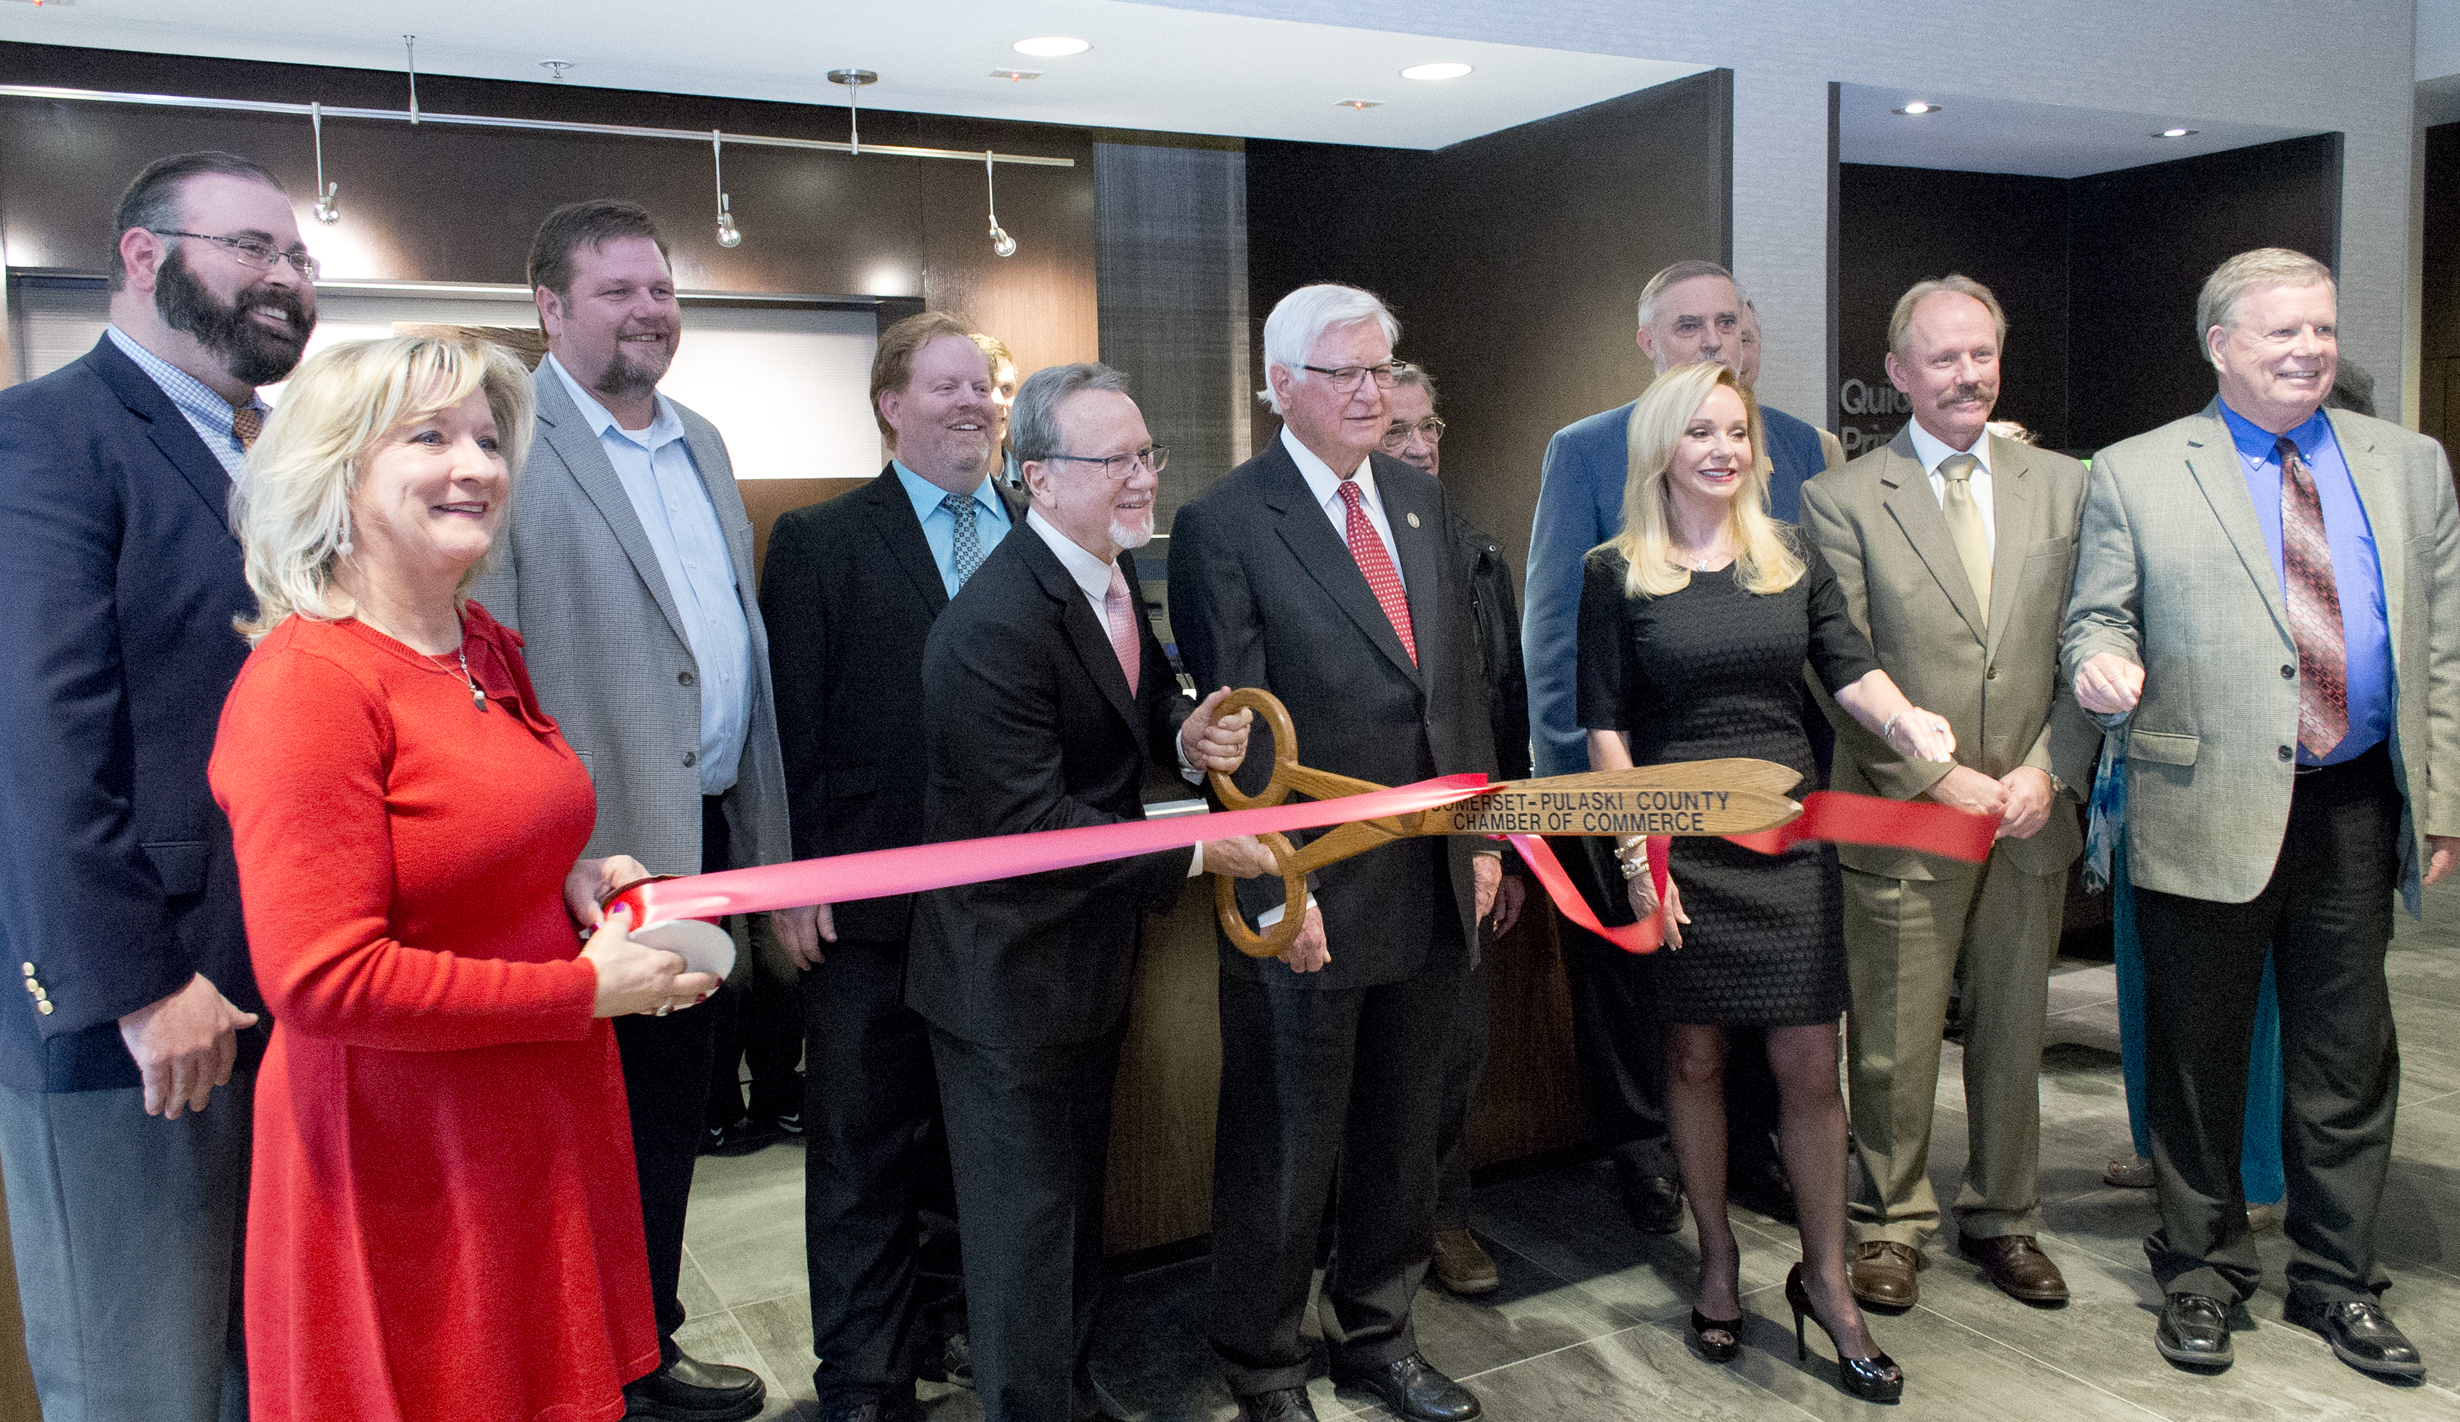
x=2314, y=608
x=1374, y=561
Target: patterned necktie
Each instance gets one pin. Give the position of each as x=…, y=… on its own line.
x=1383, y=579
x=1119, y=609
x=1964, y=521
x=966, y=551
x=247, y=422
x=2314, y=608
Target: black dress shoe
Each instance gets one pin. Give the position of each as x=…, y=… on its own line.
x=743, y=1137
x=2361, y=1335
x=1414, y=1390
x=1654, y=1202
x=688, y=1390
x=1286, y=1404
x=2194, y=1332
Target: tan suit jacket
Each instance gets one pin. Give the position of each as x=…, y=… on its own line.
x=1993, y=672
x=2173, y=573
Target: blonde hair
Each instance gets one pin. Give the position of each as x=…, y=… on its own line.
x=291, y=508
x=1763, y=563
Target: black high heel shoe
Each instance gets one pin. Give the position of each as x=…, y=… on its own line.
x=1702, y=1326
x=1876, y=1378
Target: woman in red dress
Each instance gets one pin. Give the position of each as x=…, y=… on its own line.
x=443, y=1221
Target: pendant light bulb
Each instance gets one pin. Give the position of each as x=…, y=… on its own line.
x=1002, y=245
x=728, y=234
x=327, y=210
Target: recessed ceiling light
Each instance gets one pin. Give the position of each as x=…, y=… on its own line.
x=1445, y=70
x=1358, y=103
x=1919, y=107
x=1051, y=46
x=1016, y=76
x=2175, y=133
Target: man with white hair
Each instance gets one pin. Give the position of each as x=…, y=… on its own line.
x=1323, y=572
x=2265, y=597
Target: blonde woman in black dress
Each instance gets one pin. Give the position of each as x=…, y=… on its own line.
x=1695, y=624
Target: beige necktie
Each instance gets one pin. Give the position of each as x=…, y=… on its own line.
x=1965, y=525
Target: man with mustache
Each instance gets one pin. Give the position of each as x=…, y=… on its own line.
x=852, y=588
x=128, y=1063
x=1954, y=548
x=1046, y=699
x=627, y=569
x=2265, y=596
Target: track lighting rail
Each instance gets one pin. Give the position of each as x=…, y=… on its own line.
x=430, y=116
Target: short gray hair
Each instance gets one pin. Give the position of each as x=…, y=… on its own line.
x=1033, y=425
x=1301, y=318
x=1922, y=291
x=1415, y=374
x=1681, y=272
x=2247, y=272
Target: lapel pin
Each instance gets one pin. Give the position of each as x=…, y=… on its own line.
x=1413, y=520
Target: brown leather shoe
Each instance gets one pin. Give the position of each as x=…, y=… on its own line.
x=1882, y=1274
x=1461, y=1264
x=2017, y=1265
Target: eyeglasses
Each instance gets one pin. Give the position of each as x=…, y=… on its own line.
x=1429, y=429
x=1348, y=377
x=252, y=251
x=1118, y=468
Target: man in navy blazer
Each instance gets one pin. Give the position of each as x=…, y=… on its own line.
x=1688, y=311
x=127, y=1064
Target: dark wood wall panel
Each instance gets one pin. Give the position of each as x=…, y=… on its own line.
x=2439, y=343
x=1898, y=226
x=2144, y=240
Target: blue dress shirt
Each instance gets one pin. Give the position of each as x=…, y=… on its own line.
x=2365, y=630
x=197, y=402
x=673, y=505
x=991, y=521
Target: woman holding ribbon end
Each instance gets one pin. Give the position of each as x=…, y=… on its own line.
x=1695, y=624
x=444, y=1221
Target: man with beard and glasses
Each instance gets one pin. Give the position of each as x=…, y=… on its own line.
x=127, y=1169
x=627, y=569
x=1954, y=548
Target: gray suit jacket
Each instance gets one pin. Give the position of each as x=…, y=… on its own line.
x=576, y=576
x=2173, y=574
x=1993, y=672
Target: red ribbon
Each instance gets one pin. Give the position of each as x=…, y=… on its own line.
x=1831, y=815
x=880, y=872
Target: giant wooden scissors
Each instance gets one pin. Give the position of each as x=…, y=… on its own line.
x=1701, y=797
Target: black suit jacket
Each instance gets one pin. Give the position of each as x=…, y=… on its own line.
x=1030, y=726
x=849, y=592
x=1264, y=592
x=116, y=877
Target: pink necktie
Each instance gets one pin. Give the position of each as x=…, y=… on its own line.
x=1383, y=579
x=1119, y=607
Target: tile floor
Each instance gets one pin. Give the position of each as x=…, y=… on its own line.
x=1589, y=1320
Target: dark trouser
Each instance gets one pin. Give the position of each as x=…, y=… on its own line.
x=2327, y=916
x=876, y=1159
x=1312, y=1078
x=761, y=1021
x=1029, y=1137
x=128, y=1231
x=1464, y=1057
x=1618, y=1040
x=666, y=1064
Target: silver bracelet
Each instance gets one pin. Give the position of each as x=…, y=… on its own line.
x=1888, y=731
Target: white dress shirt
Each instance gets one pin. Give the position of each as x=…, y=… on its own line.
x=673, y=505
x=1325, y=484
x=1933, y=452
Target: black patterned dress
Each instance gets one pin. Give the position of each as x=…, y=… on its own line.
x=1714, y=671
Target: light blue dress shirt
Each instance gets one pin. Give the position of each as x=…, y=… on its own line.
x=205, y=410
x=2365, y=628
x=991, y=521
x=664, y=485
